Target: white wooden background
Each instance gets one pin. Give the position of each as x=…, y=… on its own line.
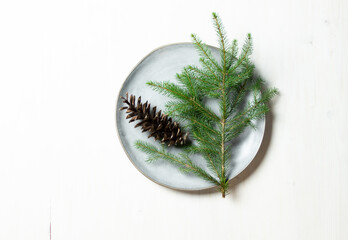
x=63, y=173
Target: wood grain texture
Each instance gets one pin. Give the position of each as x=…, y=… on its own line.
x=61, y=66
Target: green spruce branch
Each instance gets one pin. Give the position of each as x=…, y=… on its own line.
x=230, y=80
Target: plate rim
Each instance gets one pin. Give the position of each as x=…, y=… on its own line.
x=130, y=159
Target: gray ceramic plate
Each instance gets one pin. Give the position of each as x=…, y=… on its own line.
x=161, y=65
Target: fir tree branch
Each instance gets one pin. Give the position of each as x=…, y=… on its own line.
x=263, y=100
x=233, y=53
x=177, y=108
x=208, y=128
x=183, y=111
x=222, y=38
x=185, y=164
x=246, y=51
x=187, y=81
x=204, y=149
x=211, y=163
x=211, y=142
x=167, y=88
x=207, y=66
x=204, y=50
x=230, y=81
x=236, y=100
x=199, y=71
x=206, y=81
x=223, y=91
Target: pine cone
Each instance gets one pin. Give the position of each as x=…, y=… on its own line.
x=160, y=126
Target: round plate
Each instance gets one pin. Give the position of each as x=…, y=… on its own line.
x=161, y=65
